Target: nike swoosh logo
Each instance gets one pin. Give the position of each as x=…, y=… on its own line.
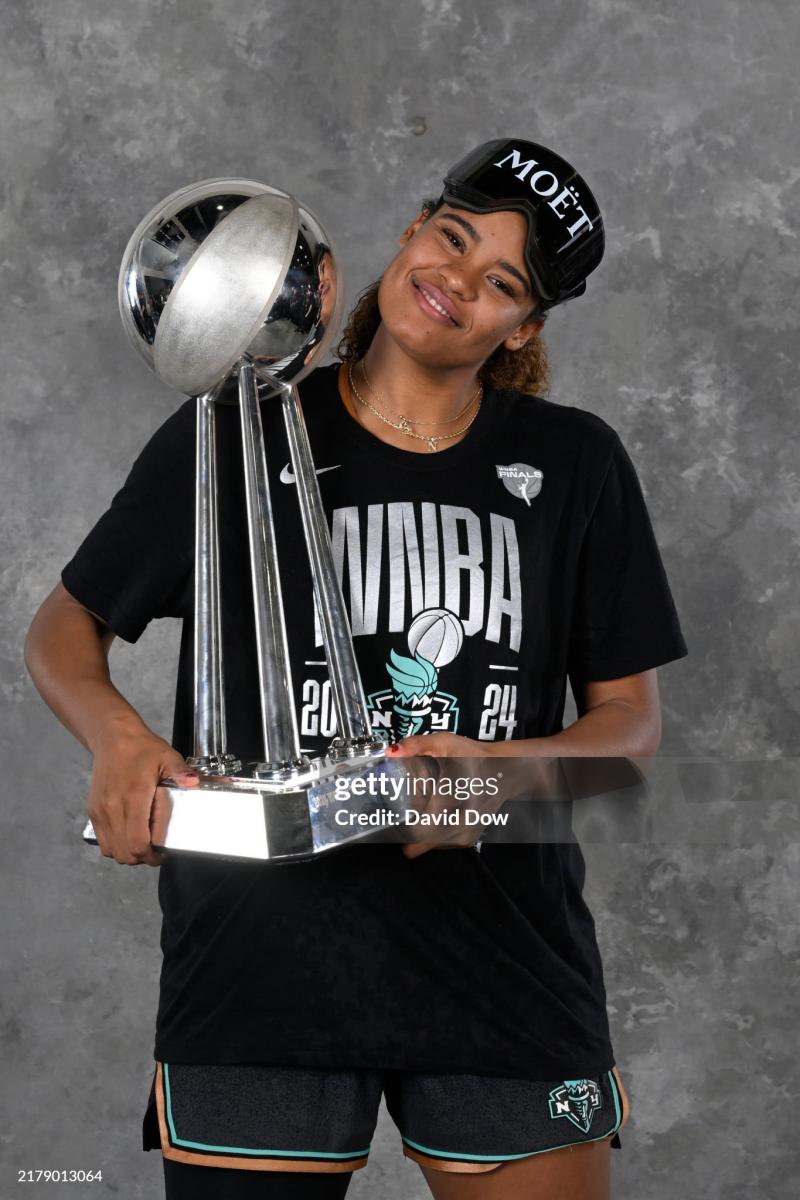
x=288, y=477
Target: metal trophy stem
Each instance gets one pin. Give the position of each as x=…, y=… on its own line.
x=210, y=749
x=355, y=730
x=278, y=718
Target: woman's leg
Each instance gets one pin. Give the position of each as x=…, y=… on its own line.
x=489, y=1138
x=186, y=1181
x=579, y=1172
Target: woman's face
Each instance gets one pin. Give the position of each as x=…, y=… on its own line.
x=470, y=265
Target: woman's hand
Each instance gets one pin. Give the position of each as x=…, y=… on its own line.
x=129, y=763
x=440, y=745
x=66, y=652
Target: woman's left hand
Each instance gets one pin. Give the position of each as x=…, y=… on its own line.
x=439, y=745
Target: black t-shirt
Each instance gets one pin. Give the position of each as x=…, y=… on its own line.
x=477, y=579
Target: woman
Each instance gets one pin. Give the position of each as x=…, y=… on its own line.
x=492, y=546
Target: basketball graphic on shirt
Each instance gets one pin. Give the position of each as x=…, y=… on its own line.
x=436, y=635
x=415, y=704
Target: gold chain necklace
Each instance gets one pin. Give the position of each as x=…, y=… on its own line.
x=407, y=422
x=404, y=425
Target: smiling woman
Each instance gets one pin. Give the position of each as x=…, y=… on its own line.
x=523, y=368
x=493, y=546
x=460, y=275
x=457, y=300
x=515, y=231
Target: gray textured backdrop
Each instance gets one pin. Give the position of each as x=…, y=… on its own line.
x=681, y=117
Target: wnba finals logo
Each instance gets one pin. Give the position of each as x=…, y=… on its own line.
x=521, y=480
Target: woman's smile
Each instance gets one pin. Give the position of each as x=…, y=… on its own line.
x=435, y=304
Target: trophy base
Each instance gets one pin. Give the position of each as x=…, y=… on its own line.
x=215, y=764
x=267, y=820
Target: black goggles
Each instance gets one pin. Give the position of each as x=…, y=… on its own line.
x=565, y=229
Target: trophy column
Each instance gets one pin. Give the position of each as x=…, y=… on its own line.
x=278, y=719
x=355, y=728
x=210, y=735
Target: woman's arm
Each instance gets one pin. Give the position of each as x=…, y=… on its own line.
x=66, y=653
x=617, y=718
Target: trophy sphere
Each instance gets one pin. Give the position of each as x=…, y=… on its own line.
x=230, y=270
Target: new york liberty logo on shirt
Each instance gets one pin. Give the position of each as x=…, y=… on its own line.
x=414, y=703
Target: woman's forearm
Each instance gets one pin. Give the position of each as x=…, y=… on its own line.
x=66, y=653
x=614, y=729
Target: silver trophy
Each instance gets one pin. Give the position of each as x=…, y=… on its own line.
x=228, y=281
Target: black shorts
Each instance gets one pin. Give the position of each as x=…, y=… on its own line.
x=300, y=1119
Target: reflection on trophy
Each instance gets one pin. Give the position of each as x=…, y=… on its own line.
x=232, y=280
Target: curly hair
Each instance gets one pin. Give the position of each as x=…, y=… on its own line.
x=523, y=370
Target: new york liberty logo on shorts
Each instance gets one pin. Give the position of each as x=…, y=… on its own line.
x=577, y=1100
x=414, y=704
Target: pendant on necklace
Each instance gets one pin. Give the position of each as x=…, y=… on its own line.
x=432, y=443
x=405, y=425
